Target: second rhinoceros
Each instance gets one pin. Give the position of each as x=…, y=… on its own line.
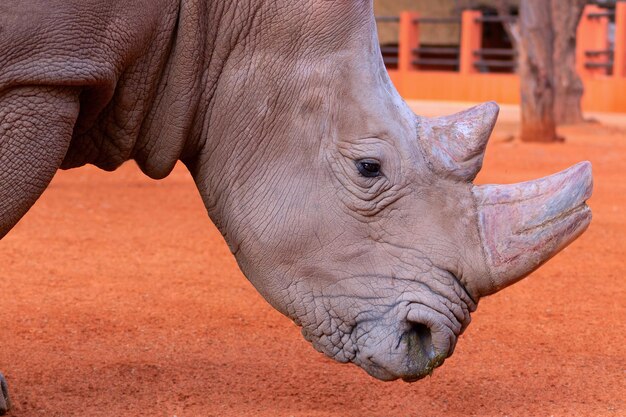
x=351, y=215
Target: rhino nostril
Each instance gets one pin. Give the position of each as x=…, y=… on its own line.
x=417, y=342
x=421, y=353
x=420, y=338
x=426, y=346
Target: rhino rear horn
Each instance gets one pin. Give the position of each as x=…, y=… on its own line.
x=455, y=145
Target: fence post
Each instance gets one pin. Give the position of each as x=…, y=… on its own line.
x=471, y=40
x=408, y=40
x=619, y=57
x=591, y=35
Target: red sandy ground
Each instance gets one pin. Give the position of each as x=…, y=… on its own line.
x=119, y=298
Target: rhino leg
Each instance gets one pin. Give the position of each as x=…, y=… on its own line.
x=5, y=401
x=36, y=125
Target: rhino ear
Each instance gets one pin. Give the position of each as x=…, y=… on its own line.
x=455, y=145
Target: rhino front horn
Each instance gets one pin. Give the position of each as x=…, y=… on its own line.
x=523, y=225
x=455, y=145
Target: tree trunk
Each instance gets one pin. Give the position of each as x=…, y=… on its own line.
x=537, y=71
x=511, y=27
x=568, y=85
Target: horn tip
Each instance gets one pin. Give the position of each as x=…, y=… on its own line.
x=492, y=107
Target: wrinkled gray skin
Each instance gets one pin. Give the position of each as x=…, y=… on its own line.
x=272, y=105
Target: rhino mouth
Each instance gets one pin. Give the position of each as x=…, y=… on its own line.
x=409, y=349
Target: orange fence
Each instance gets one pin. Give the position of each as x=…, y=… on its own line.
x=601, y=66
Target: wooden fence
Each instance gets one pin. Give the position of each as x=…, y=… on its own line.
x=469, y=74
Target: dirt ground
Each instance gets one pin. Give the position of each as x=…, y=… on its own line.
x=119, y=298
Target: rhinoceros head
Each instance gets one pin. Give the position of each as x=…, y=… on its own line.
x=358, y=219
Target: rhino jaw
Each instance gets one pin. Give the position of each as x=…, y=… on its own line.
x=523, y=225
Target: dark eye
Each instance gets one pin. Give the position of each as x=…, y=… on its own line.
x=368, y=168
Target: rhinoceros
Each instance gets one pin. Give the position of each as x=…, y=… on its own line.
x=350, y=214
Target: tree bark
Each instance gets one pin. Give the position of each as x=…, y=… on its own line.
x=511, y=27
x=567, y=83
x=536, y=68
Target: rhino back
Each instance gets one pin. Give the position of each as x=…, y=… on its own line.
x=136, y=64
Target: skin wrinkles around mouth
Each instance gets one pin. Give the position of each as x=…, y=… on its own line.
x=347, y=346
x=461, y=315
x=471, y=305
x=474, y=303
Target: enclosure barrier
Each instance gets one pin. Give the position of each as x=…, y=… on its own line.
x=469, y=75
x=594, y=55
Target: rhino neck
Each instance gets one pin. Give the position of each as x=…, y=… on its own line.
x=151, y=104
x=173, y=129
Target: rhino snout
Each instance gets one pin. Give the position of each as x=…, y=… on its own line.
x=409, y=349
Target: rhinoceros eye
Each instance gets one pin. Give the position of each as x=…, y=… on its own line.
x=368, y=168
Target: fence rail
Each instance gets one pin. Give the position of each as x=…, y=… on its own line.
x=388, y=19
x=436, y=62
x=600, y=15
x=494, y=63
x=495, y=52
x=496, y=19
x=608, y=64
x=598, y=52
x=438, y=20
x=437, y=50
x=389, y=50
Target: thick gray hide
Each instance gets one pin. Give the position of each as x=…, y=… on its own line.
x=351, y=215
